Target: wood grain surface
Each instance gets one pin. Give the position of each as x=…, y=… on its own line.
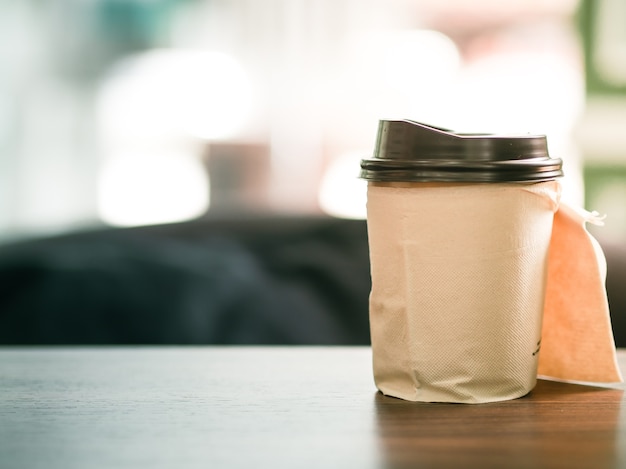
x=291, y=407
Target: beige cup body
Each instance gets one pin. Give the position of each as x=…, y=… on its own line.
x=458, y=286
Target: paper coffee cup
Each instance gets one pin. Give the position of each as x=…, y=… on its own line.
x=459, y=231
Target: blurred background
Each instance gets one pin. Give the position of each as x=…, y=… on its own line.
x=139, y=112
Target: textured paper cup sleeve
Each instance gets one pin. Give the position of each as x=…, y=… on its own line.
x=459, y=282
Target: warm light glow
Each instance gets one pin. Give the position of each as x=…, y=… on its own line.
x=518, y=92
x=342, y=194
x=150, y=189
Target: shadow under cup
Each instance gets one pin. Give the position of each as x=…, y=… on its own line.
x=458, y=249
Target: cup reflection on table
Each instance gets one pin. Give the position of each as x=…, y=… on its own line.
x=556, y=425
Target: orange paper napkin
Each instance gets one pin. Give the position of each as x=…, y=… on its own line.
x=577, y=341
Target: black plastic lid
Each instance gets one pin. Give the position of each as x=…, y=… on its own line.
x=410, y=151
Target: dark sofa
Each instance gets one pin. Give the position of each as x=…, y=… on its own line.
x=253, y=280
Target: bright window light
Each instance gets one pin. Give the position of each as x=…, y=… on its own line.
x=400, y=74
x=414, y=61
x=149, y=189
x=176, y=92
x=154, y=109
x=518, y=91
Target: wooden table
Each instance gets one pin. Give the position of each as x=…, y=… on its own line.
x=299, y=407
